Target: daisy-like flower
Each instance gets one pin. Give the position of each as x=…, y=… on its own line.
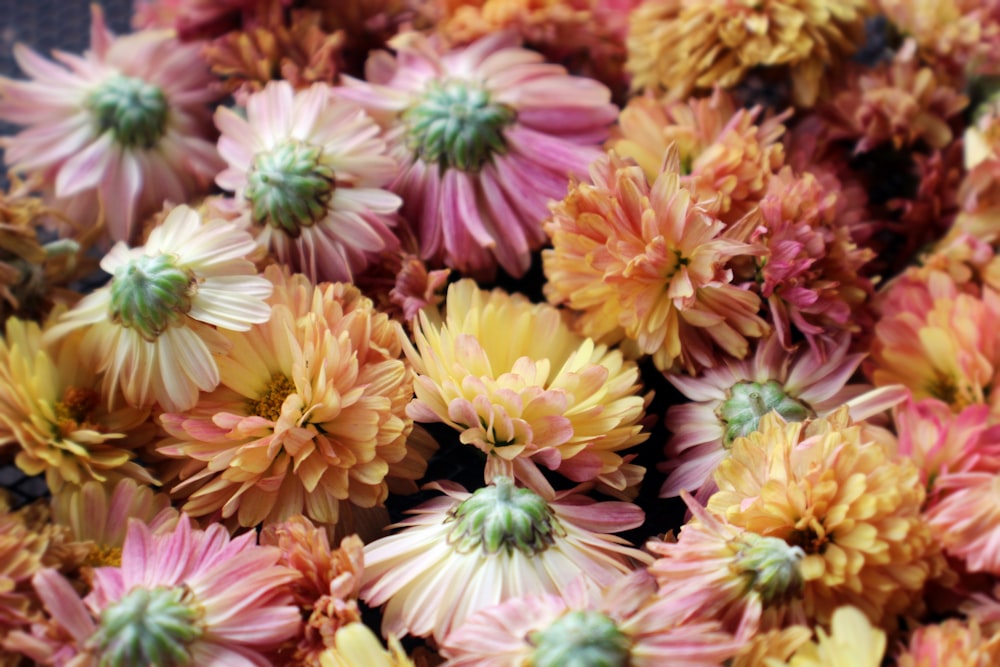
x=125, y=127
x=625, y=624
x=728, y=401
x=307, y=171
x=516, y=382
x=355, y=645
x=150, y=331
x=952, y=642
x=683, y=46
x=966, y=518
x=501, y=542
x=309, y=417
x=851, y=641
x=51, y=412
x=185, y=597
x=650, y=263
x=99, y=514
x=842, y=499
x=726, y=152
x=486, y=136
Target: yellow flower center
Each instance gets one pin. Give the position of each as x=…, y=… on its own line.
x=104, y=556
x=74, y=411
x=268, y=405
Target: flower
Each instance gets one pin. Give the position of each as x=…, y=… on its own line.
x=851, y=641
x=501, y=542
x=193, y=19
x=150, y=330
x=649, y=263
x=308, y=173
x=126, y=126
x=966, y=518
x=726, y=152
x=517, y=383
x=355, y=645
x=21, y=555
x=682, y=46
x=953, y=642
x=728, y=401
x=853, y=510
x=52, y=413
x=186, y=597
x=623, y=624
x=309, y=417
x=486, y=135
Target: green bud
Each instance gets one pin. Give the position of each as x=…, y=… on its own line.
x=772, y=567
x=749, y=401
x=133, y=110
x=148, y=627
x=289, y=187
x=503, y=516
x=150, y=293
x=580, y=638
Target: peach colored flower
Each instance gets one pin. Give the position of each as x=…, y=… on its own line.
x=952, y=642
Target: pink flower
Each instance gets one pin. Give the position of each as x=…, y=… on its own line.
x=124, y=127
x=486, y=134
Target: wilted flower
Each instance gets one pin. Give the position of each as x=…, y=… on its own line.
x=150, y=330
x=853, y=510
x=517, y=383
x=307, y=171
x=683, y=46
x=650, y=263
x=486, y=135
x=123, y=128
x=309, y=416
x=501, y=542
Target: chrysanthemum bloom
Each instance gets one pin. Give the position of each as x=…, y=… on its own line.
x=500, y=542
x=99, y=514
x=952, y=642
x=516, y=382
x=21, y=552
x=979, y=192
x=844, y=501
x=150, y=331
x=625, y=624
x=811, y=274
x=124, y=127
x=936, y=338
x=726, y=152
x=650, y=263
x=899, y=103
x=194, y=19
x=327, y=590
x=486, y=136
x=966, y=517
x=355, y=645
x=715, y=571
x=307, y=171
x=309, y=416
x=765, y=648
x=728, y=401
x=52, y=413
x=851, y=641
x=686, y=45
x=186, y=597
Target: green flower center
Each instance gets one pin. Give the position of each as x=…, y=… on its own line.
x=456, y=124
x=135, y=111
x=749, y=401
x=148, y=627
x=268, y=405
x=289, y=187
x=580, y=638
x=772, y=568
x=149, y=293
x=503, y=516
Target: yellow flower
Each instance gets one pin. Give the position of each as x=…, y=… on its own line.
x=515, y=380
x=852, y=642
x=685, y=45
x=825, y=487
x=52, y=413
x=355, y=645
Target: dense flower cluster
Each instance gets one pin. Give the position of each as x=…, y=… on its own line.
x=514, y=333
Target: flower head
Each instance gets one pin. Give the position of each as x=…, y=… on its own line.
x=686, y=45
x=854, y=511
x=953, y=642
x=150, y=331
x=355, y=645
x=309, y=417
x=518, y=384
x=308, y=172
x=501, y=541
x=125, y=126
x=966, y=517
x=650, y=263
x=486, y=134
x=851, y=641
